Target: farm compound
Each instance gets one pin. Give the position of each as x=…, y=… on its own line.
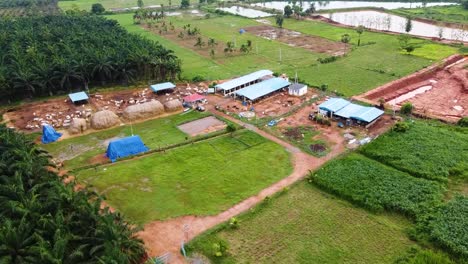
x=352, y=113
x=233, y=85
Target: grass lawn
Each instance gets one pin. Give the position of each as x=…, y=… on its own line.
x=306, y=225
x=200, y=179
x=454, y=13
x=155, y=133
x=364, y=68
x=86, y=4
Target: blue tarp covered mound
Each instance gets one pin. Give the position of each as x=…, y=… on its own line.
x=125, y=147
x=49, y=134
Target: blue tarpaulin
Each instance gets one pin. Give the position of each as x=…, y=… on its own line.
x=125, y=147
x=49, y=134
x=80, y=96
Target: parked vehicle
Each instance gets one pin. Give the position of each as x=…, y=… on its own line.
x=200, y=108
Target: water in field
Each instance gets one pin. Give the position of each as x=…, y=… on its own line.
x=324, y=5
x=393, y=23
x=245, y=12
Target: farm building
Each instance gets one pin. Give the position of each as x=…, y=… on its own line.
x=262, y=89
x=79, y=97
x=125, y=147
x=341, y=108
x=238, y=83
x=297, y=89
x=194, y=99
x=162, y=87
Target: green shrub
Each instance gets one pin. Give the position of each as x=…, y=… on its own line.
x=220, y=248
x=423, y=256
x=401, y=127
x=463, y=122
x=198, y=78
x=406, y=108
x=233, y=223
x=327, y=59
x=376, y=186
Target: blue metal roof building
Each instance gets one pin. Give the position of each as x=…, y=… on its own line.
x=243, y=81
x=367, y=114
x=345, y=109
x=333, y=104
x=162, y=86
x=77, y=97
x=261, y=89
x=125, y=147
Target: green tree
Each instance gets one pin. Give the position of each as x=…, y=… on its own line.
x=229, y=47
x=279, y=20
x=288, y=11
x=360, y=29
x=212, y=42
x=408, y=24
x=345, y=39
x=212, y=53
x=185, y=4
x=406, y=108
x=200, y=43
x=244, y=48
x=97, y=8
x=140, y=3
x=231, y=128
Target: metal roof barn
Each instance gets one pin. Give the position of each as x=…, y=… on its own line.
x=334, y=104
x=162, y=86
x=76, y=97
x=243, y=80
x=193, y=98
x=263, y=88
x=349, y=110
x=368, y=114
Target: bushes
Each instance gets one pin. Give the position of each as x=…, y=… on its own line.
x=449, y=226
x=377, y=187
x=401, y=127
x=327, y=59
x=422, y=256
x=463, y=122
x=406, y=109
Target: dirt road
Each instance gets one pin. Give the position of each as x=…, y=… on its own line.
x=162, y=237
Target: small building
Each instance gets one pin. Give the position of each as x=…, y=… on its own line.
x=297, y=89
x=80, y=97
x=332, y=105
x=194, y=99
x=352, y=113
x=125, y=147
x=262, y=89
x=162, y=87
x=49, y=134
x=233, y=85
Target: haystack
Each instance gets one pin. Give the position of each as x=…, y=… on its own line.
x=149, y=109
x=78, y=125
x=173, y=105
x=104, y=119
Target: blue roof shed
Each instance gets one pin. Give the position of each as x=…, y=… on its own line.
x=125, y=147
x=367, y=114
x=243, y=80
x=162, y=86
x=260, y=89
x=80, y=96
x=334, y=104
x=49, y=134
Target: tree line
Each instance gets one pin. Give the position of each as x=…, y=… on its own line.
x=57, y=54
x=44, y=220
x=27, y=3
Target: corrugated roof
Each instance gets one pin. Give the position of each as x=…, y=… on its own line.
x=80, y=96
x=162, y=86
x=193, y=98
x=243, y=80
x=349, y=110
x=260, y=89
x=296, y=86
x=368, y=114
x=334, y=104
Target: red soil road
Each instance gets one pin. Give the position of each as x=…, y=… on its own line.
x=166, y=236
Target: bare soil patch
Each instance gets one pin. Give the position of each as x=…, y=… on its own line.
x=317, y=148
x=298, y=39
x=202, y=126
x=440, y=92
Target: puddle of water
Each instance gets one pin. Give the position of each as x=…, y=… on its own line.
x=245, y=12
x=324, y=5
x=389, y=22
x=410, y=95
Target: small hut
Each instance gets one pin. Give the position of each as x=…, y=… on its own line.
x=145, y=110
x=173, y=105
x=80, y=97
x=78, y=125
x=104, y=119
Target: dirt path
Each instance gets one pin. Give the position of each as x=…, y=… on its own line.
x=162, y=237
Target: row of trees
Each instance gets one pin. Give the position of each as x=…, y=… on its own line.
x=52, y=54
x=45, y=221
x=27, y=3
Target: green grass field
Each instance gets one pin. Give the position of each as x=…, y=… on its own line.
x=200, y=179
x=155, y=133
x=364, y=68
x=306, y=225
x=86, y=4
x=455, y=13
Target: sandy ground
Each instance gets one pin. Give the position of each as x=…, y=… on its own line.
x=202, y=126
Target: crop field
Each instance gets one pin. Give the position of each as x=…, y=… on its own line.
x=364, y=68
x=80, y=151
x=376, y=186
x=114, y=4
x=428, y=149
x=307, y=224
x=455, y=13
x=188, y=180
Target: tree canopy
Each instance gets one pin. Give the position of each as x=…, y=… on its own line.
x=57, y=54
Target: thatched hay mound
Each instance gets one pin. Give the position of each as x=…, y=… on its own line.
x=173, y=105
x=104, y=119
x=78, y=125
x=149, y=109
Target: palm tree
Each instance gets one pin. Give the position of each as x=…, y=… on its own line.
x=360, y=29
x=212, y=42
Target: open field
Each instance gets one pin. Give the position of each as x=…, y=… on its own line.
x=112, y=4
x=429, y=150
x=453, y=14
x=84, y=150
x=362, y=69
x=306, y=224
x=188, y=180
